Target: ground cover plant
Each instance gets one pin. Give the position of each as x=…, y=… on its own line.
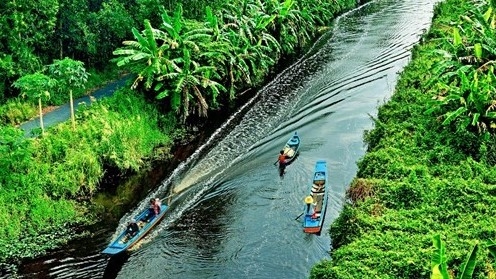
x=430, y=164
x=186, y=61
x=46, y=183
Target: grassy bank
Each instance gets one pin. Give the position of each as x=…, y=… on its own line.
x=429, y=168
x=47, y=183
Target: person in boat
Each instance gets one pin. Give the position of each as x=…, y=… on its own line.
x=282, y=159
x=158, y=203
x=282, y=163
x=153, y=210
x=318, y=191
x=132, y=228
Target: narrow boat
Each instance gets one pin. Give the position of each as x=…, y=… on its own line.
x=316, y=202
x=125, y=241
x=290, y=152
x=291, y=148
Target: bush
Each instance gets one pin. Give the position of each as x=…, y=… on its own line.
x=427, y=179
x=14, y=112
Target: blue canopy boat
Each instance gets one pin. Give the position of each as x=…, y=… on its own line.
x=316, y=202
x=125, y=241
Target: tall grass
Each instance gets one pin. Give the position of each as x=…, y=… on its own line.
x=41, y=179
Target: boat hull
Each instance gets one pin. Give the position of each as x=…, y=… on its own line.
x=316, y=202
x=123, y=243
x=292, y=148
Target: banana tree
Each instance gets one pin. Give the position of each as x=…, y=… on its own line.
x=181, y=35
x=191, y=82
x=148, y=56
x=36, y=86
x=471, y=100
x=439, y=268
x=70, y=74
x=289, y=27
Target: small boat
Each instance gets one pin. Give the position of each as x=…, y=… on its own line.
x=291, y=148
x=316, y=202
x=290, y=152
x=124, y=241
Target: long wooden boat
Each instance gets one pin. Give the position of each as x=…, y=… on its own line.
x=316, y=202
x=291, y=148
x=124, y=241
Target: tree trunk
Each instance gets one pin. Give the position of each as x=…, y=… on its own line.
x=41, y=117
x=61, y=52
x=72, y=111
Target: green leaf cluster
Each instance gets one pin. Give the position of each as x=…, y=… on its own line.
x=190, y=64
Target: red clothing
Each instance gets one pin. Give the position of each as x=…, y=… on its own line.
x=156, y=208
x=282, y=159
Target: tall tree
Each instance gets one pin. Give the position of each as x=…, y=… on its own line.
x=36, y=86
x=113, y=24
x=74, y=34
x=70, y=74
x=25, y=26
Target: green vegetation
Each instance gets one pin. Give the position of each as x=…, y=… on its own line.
x=41, y=179
x=430, y=165
x=191, y=62
x=439, y=266
x=70, y=74
x=36, y=86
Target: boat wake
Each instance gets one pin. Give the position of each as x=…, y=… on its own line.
x=300, y=94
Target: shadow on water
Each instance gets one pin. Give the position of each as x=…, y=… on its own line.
x=114, y=265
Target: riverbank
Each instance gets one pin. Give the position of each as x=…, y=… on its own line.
x=59, y=174
x=427, y=170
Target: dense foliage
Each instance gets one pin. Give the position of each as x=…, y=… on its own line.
x=430, y=165
x=34, y=33
x=190, y=64
x=41, y=179
x=195, y=60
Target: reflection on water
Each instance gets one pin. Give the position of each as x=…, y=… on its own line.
x=231, y=215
